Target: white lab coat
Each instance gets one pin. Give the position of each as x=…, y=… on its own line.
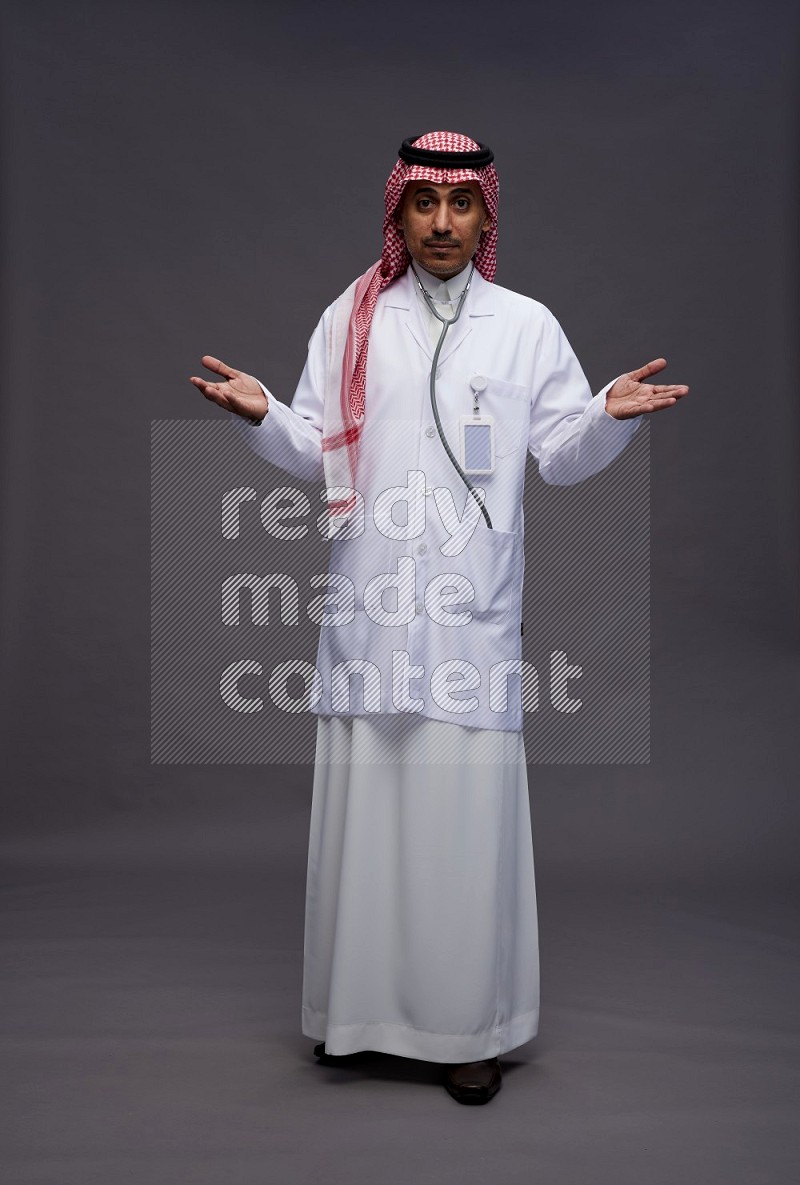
x=444, y=642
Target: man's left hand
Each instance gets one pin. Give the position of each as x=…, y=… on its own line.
x=630, y=396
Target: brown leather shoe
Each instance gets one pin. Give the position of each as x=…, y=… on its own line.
x=473, y=1082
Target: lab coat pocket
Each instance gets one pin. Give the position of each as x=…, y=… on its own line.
x=509, y=404
x=491, y=563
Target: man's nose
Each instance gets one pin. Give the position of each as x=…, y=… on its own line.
x=441, y=219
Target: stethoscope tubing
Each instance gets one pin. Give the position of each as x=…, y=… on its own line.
x=446, y=323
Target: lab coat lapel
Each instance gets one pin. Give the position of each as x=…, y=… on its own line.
x=401, y=297
x=480, y=299
x=455, y=335
x=478, y=304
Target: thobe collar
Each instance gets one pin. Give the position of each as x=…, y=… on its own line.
x=479, y=304
x=434, y=284
x=439, y=291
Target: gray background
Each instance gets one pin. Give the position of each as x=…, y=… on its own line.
x=190, y=178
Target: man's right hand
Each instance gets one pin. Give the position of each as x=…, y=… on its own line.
x=239, y=393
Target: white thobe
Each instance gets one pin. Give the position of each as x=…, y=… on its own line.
x=420, y=927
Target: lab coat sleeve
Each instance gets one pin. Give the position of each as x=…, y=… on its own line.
x=572, y=436
x=291, y=437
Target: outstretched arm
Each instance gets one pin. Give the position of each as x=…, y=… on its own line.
x=574, y=435
x=292, y=437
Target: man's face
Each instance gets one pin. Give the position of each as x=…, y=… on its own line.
x=442, y=224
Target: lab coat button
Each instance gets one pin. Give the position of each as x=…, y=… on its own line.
x=439, y=373
x=419, y=607
x=430, y=431
x=423, y=547
x=428, y=491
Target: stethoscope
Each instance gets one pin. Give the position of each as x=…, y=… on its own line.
x=446, y=323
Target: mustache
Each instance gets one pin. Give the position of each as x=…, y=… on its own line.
x=441, y=241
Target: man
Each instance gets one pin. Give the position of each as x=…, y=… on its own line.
x=425, y=386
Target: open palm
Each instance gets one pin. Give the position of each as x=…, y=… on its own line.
x=239, y=393
x=630, y=396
